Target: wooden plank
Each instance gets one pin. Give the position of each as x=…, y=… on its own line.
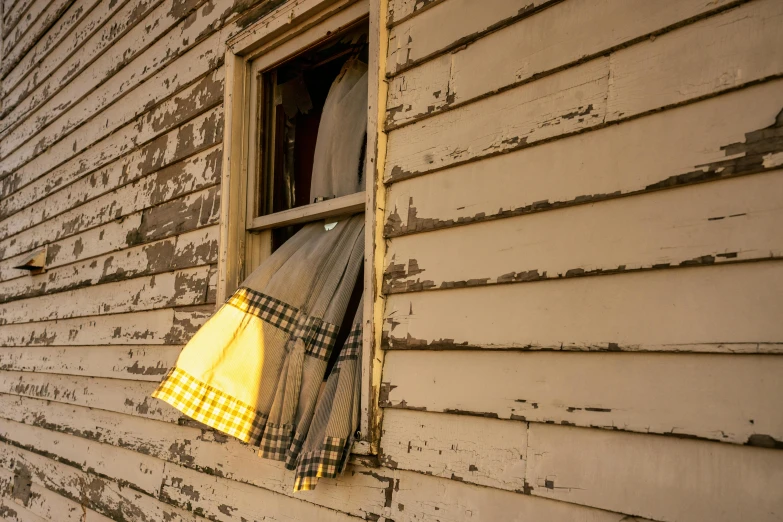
x=129, y=169
x=189, y=103
x=50, y=13
x=138, y=471
x=725, y=221
x=400, y=9
x=176, y=252
x=423, y=497
x=13, y=512
x=138, y=363
x=189, y=176
x=728, y=135
x=15, y=14
x=360, y=491
x=725, y=309
x=446, y=25
x=54, y=37
x=559, y=104
x=551, y=107
x=657, y=477
x=222, y=500
x=732, y=53
x=98, y=493
x=27, y=141
x=180, y=288
x=720, y=397
x=45, y=505
x=481, y=451
x=165, y=326
x=70, y=59
x=551, y=39
x=121, y=396
x=191, y=212
x=201, y=132
x=75, y=27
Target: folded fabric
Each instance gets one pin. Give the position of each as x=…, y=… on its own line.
x=337, y=162
x=254, y=370
x=328, y=441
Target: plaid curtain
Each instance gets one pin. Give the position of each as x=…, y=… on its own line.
x=254, y=370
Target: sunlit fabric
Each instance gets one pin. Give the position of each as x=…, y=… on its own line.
x=254, y=370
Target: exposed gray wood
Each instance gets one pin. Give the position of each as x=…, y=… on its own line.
x=201, y=450
x=728, y=135
x=222, y=500
x=16, y=16
x=559, y=104
x=66, y=136
x=191, y=212
x=139, y=471
x=192, y=101
x=197, y=134
x=607, y=390
x=657, y=477
x=44, y=504
x=64, y=64
x=60, y=30
x=422, y=497
x=103, y=495
x=165, y=326
x=481, y=451
x=189, y=249
x=52, y=12
x=180, y=288
x=446, y=25
x=10, y=511
x=576, y=98
x=122, y=396
x=725, y=221
x=189, y=176
x=726, y=309
x=138, y=363
x=554, y=38
x=76, y=26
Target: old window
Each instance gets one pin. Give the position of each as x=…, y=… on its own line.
x=280, y=72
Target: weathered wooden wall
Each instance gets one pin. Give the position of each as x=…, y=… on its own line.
x=583, y=249
x=583, y=270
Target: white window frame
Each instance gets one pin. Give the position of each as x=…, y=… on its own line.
x=245, y=239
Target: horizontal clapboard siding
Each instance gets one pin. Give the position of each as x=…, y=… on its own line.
x=621, y=162
x=644, y=78
x=540, y=44
x=674, y=394
x=727, y=221
x=733, y=134
x=590, y=467
x=725, y=309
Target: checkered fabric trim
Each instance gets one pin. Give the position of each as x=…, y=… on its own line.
x=319, y=336
x=276, y=441
x=296, y=448
x=353, y=344
x=211, y=406
x=327, y=462
x=269, y=309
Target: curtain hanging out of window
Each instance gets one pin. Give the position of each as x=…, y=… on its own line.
x=255, y=370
